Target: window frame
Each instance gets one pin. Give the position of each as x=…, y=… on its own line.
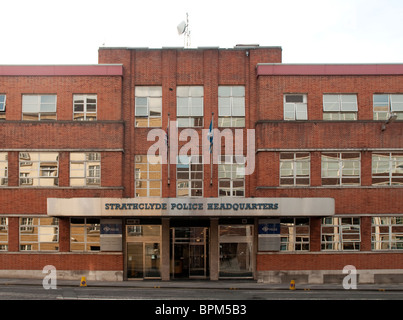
x=341, y=178
x=336, y=240
x=148, y=179
x=184, y=180
x=151, y=95
x=289, y=240
x=36, y=107
x=87, y=163
x=235, y=120
x=389, y=233
x=305, y=157
x=296, y=114
x=387, y=106
x=25, y=160
x=389, y=176
x=3, y=169
x=32, y=230
x=86, y=115
x=186, y=98
x=336, y=112
x=235, y=177
x=88, y=225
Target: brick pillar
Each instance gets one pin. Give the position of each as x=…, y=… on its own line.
x=366, y=233
x=315, y=241
x=64, y=234
x=13, y=234
x=214, y=253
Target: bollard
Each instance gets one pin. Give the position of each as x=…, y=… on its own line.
x=83, y=282
x=292, y=285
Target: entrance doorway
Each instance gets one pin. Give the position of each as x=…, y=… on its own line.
x=189, y=252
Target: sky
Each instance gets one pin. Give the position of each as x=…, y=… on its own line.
x=309, y=31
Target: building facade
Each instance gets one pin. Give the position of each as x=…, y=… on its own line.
x=202, y=163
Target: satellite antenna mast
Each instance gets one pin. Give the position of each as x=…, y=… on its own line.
x=183, y=28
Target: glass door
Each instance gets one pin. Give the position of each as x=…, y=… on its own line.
x=189, y=254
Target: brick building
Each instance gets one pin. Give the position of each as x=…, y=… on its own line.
x=311, y=181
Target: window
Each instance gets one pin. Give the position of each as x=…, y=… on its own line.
x=340, y=107
x=3, y=234
x=38, y=107
x=85, y=107
x=148, y=177
x=236, y=251
x=39, y=234
x=341, y=169
x=148, y=106
x=295, y=169
x=3, y=168
x=387, y=233
x=189, y=176
x=2, y=107
x=39, y=169
x=294, y=234
x=387, y=169
x=339, y=234
x=295, y=107
x=189, y=110
x=231, y=106
x=85, y=169
x=386, y=104
x=231, y=176
x=85, y=234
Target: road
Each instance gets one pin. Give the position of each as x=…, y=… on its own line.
x=34, y=292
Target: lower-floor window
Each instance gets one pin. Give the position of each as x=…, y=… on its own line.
x=387, y=233
x=85, y=234
x=339, y=234
x=3, y=234
x=294, y=234
x=236, y=251
x=39, y=234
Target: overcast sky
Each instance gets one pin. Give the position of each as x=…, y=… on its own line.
x=309, y=31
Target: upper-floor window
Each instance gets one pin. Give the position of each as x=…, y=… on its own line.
x=231, y=106
x=341, y=168
x=189, y=109
x=148, y=170
x=387, y=168
x=39, y=169
x=387, y=104
x=295, y=168
x=340, y=107
x=3, y=168
x=85, y=107
x=38, y=107
x=231, y=176
x=295, y=107
x=189, y=176
x=2, y=106
x=85, y=169
x=148, y=106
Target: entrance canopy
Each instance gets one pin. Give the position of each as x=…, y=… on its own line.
x=177, y=207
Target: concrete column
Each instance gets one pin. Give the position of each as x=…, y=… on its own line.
x=214, y=250
x=165, y=263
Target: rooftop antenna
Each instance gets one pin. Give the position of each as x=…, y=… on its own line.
x=183, y=28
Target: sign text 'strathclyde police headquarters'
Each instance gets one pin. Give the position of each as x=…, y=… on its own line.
x=166, y=207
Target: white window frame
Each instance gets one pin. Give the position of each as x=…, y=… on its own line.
x=393, y=171
x=188, y=176
x=393, y=105
x=144, y=179
x=190, y=106
x=83, y=99
x=147, y=99
x=3, y=98
x=387, y=233
x=342, y=106
x=36, y=105
x=235, y=174
x=3, y=169
x=296, y=165
x=41, y=172
x=231, y=106
x=39, y=234
x=89, y=173
x=294, y=111
x=341, y=168
x=294, y=240
x=90, y=230
x=342, y=231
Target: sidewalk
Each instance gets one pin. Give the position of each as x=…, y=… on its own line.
x=202, y=284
